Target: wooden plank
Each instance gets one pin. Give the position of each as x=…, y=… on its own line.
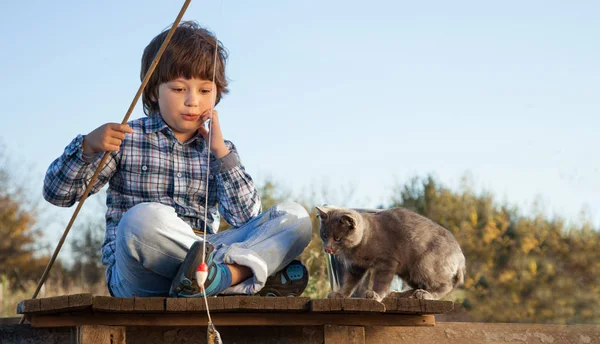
x=132, y=305
x=58, y=303
x=232, y=319
x=112, y=304
x=298, y=303
x=55, y=304
x=229, y=334
x=94, y=334
x=485, y=333
x=352, y=305
x=362, y=305
x=334, y=334
x=231, y=302
x=416, y=306
x=176, y=305
x=78, y=301
x=251, y=303
x=182, y=305
x=238, y=304
x=148, y=304
x=28, y=306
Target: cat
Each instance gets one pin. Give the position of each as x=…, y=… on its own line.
x=397, y=241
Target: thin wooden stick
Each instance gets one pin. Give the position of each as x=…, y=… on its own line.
x=106, y=154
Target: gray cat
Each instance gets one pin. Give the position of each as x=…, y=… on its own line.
x=425, y=255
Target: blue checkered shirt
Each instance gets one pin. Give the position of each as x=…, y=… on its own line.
x=152, y=166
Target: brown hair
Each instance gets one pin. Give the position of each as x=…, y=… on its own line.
x=189, y=54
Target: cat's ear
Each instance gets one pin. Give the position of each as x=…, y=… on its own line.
x=348, y=221
x=321, y=212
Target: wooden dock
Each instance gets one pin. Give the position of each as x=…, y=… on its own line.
x=240, y=319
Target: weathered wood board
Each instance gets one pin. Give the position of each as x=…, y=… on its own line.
x=227, y=304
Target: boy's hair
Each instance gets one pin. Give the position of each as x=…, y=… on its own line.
x=189, y=54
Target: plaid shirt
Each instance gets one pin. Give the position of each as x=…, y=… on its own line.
x=152, y=166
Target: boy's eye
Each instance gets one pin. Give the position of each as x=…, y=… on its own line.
x=205, y=91
x=177, y=89
x=337, y=238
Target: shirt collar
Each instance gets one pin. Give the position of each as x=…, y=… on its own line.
x=154, y=123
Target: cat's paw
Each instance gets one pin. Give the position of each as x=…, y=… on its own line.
x=370, y=294
x=335, y=295
x=421, y=295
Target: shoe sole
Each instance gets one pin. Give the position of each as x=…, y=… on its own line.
x=287, y=282
x=186, y=274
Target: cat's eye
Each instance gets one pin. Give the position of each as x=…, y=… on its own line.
x=337, y=238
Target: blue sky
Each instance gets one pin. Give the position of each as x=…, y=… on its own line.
x=351, y=94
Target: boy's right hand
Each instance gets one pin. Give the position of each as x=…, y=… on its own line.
x=106, y=138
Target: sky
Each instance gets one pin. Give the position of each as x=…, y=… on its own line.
x=351, y=96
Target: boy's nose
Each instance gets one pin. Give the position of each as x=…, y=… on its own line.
x=192, y=99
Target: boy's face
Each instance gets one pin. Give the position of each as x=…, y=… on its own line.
x=184, y=104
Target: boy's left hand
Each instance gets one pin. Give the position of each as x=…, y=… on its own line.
x=217, y=144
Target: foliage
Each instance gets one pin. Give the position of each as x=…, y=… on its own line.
x=520, y=269
x=19, y=238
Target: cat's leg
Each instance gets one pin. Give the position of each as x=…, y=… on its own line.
x=382, y=278
x=434, y=293
x=352, y=277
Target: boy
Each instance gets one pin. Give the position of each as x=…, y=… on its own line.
x=157, y=172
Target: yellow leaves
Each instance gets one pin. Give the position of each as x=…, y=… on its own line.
x=588, y=313
x=515, y=298
x=528, y=243
x=490, y=232
x=533, y=267
x=507, y=276
x=470, y=282
x=473, y=218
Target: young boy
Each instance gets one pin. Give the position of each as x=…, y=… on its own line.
x=157, y=172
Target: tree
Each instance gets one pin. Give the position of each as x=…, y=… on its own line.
x=85, y=247
x=17, y=220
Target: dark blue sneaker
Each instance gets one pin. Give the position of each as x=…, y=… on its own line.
x=290, y=281
x=184, y=283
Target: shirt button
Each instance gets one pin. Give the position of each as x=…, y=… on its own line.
x=144, y=168
x=178, y=174
x=210, y=177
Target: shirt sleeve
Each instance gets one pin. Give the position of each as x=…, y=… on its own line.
x=239, y=200
x=68, y=176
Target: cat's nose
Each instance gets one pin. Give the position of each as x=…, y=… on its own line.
x=328, y=250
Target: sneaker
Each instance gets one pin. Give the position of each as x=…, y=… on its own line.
x=290, y=281
x=184, y=283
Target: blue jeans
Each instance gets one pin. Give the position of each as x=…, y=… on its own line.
x=152, y=242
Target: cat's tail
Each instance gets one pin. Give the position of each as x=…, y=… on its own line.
x=459, y=278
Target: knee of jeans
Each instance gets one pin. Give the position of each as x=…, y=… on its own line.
x=140, y=219
x=297, y=213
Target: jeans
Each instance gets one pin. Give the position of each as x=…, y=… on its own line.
x=152, y=242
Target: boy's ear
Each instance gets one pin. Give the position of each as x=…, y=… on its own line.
x=348, y=221
x=321, y=212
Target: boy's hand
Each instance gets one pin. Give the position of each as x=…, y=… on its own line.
x=106, y=138
x=217, y=144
